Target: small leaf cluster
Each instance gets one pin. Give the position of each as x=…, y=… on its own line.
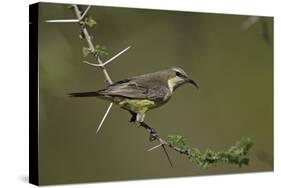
x=89, y=21
x=86, y=51
x=234, y=155
x=100, y=50
x=177, y=141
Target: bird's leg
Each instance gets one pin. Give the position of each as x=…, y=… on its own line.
x=140, y=117
x=153, y=135
x=134, y=117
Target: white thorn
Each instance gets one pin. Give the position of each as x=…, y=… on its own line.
x=108, y=61
x=63, y=21
x=70, y=20
x=85, y=12
x=93, y=64
x=153, y=148
x=114, y=57
x=104, y=116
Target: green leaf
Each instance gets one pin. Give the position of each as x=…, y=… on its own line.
x=100, y=50
x=89, y=21
x=177, y=141
x=85, y=51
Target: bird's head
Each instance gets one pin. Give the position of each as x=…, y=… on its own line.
x=177, y=77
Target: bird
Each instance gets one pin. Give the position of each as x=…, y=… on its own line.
x=142, y=93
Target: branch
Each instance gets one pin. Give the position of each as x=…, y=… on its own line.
x=90, y=43
x=93, y=50
x=234, y=155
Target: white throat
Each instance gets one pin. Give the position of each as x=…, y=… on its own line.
x=172, y=82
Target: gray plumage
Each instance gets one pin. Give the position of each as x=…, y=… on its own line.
x=139, y=87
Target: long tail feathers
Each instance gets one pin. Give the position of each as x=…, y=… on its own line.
x=84, y=94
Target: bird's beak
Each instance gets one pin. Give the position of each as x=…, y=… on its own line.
x=188, y=80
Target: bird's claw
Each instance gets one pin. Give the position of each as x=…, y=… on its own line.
x=153, y=135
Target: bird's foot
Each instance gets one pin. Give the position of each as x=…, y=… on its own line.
x=153, y=135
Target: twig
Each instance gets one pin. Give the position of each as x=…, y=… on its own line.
x=89, y=41
x=234, y=155
x=155, y=136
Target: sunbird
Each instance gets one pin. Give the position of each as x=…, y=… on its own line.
x=142, y=93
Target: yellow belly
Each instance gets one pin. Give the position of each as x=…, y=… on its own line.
x=136, y=105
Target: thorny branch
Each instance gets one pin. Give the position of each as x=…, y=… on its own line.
x=92, y=49
x=90, y=43
x=234, y=155
x=80, y=16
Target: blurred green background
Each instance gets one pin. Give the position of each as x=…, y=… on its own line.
x=233, y=66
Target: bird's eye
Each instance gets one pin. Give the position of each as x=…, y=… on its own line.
x=178, y=73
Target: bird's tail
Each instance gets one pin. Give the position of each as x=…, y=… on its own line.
x=84, y=94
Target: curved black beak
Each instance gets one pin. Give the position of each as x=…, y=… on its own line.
x=192, y=82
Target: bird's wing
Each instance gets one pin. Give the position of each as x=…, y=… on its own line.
x=137, y=89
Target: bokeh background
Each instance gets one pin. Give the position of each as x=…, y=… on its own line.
x=233, y=66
